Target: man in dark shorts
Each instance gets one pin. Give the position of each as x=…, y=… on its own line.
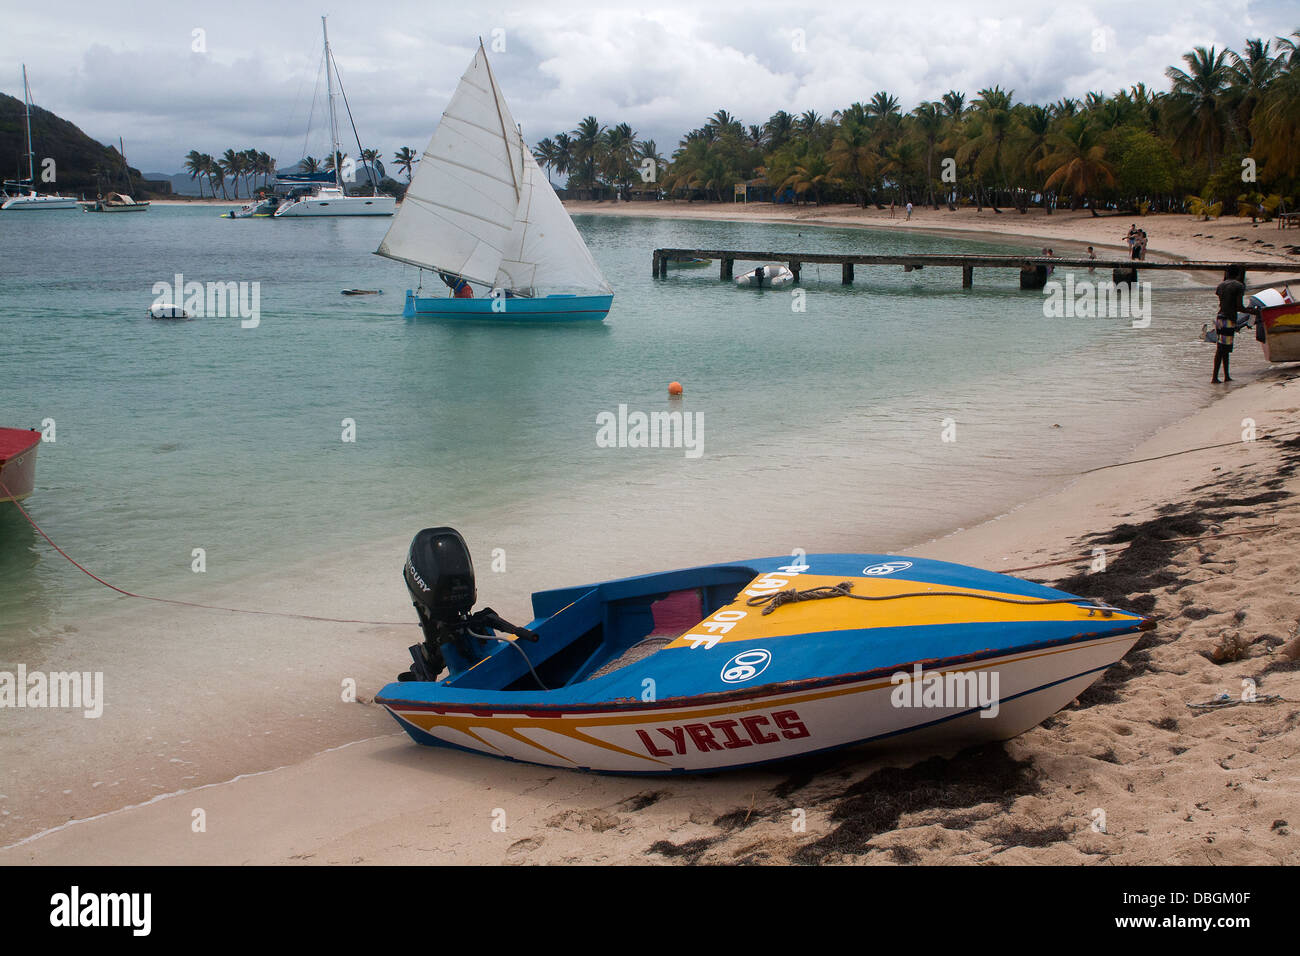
x=1231, y=292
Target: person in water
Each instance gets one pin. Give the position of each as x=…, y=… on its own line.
x=1231, y=292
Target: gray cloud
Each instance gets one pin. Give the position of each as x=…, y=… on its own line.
x=664, y=69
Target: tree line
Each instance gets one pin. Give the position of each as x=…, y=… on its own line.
x=1227, y=131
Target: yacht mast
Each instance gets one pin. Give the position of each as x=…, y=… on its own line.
x=334, y=123
x=31, y=156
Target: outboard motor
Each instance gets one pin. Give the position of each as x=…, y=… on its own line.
x=439, y=573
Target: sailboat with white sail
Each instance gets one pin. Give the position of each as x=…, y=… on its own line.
x=332, y=199
x=28, y=198
x=479, y=211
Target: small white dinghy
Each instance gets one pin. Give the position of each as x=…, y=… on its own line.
x=770, y=276
x=165, y=310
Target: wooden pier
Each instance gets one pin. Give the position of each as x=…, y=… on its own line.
x=1032, y=269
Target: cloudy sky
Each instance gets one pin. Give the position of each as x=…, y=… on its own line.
x=141, y=71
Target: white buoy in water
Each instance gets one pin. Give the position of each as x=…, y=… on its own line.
x=165, y=310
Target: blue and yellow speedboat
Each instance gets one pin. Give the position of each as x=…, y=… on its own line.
x=731, y=665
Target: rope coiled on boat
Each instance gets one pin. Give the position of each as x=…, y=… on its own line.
x=845, y=588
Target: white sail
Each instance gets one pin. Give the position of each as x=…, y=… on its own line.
x=459, y=209
x=545, y=251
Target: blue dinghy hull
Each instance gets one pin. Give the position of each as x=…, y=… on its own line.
x=549, y=308
x=937, y=655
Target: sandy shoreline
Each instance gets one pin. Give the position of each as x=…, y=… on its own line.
x=1175, y=785
x=1176, y=236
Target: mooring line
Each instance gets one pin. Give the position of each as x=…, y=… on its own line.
x=161, y=600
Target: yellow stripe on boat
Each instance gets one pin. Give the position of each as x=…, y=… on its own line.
x=739, y=621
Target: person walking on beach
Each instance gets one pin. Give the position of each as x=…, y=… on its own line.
x=1091, y=255
x=1231, y=292
x=1140, y=245
x=1131, y=240
x=909, y=210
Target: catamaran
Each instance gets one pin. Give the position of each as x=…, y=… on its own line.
x=479, y=211
x=332, y=199
x=28, y=197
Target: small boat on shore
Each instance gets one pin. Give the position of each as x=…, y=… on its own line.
x=773, y=276
x=18, y=447
x=1278, y=326
x=731, y=665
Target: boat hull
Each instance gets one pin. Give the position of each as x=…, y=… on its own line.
x=18, y=449
x=939, y=655
x=1281, y=332
x=694, y=737
x=551, y=308
x=349, y=206
x=34, y=203
x=115, y=207
x=770, y=277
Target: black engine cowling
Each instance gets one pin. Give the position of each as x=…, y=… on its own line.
x=439, y=573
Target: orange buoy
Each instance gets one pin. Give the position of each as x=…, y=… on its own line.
x=674, y=388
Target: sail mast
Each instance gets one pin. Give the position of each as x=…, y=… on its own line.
x=496, y=98
x=334, y=126
x=31, y=156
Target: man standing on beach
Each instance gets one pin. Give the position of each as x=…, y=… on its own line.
x=1231, y=292
x=909, y=210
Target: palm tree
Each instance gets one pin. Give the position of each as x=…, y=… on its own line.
x=778, y=129
x=310, y=164
x=1275, y=123
x=647, y=150
x=954, y=104
x=194, y=166
x=406, y=158
x=563, y=162
x=1250, y=77
x=544, y=153
x=1078, y=162
x=929, y=123
x=232, y=165
x=586, y=150
x=1200, y=101
x=853, y=158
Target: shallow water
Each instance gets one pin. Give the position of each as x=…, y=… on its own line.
x=821, y=429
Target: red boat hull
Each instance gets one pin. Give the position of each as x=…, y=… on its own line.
x=17, y=462
x=1282, y=332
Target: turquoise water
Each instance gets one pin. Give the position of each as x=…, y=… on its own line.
x=822, y=427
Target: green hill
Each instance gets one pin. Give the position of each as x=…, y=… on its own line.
x=82, y=165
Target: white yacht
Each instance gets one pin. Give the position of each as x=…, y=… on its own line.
x=326, y=199
x=28, y=198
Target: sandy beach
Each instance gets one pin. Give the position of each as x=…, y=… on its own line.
x=1128, y=774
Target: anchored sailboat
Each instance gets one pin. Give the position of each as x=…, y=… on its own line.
x=332, y=200
x=28, y=197
x=480, y=211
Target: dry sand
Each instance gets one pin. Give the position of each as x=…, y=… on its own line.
x=1129, y=774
